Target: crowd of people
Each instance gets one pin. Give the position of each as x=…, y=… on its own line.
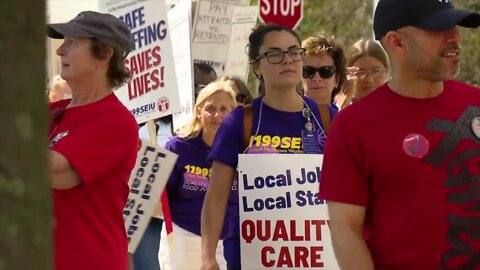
x=401, y=141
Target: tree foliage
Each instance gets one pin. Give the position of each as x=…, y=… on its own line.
x=347, y=20
x=470, y=46
x=350, y=20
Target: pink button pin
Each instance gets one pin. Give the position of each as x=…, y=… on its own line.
x=415, y=145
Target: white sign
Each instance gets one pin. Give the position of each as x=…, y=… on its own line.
x=211, y=36
x=110, y=6
x=180, y=20
x=236, y=2
x=243, y=20
x=147, y=182
x=283, y=222
x=60, y=11
x=153, y=91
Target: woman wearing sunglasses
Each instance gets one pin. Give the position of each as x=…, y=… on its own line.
x=276, y=58
x=323, y=73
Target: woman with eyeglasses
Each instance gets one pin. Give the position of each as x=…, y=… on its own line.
x=368, y=68
x=243, y=96
x=188, y=181
x=276, y=58
x=323, y=73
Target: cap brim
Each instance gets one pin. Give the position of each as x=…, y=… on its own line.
x=60, y=30
x=449, y=18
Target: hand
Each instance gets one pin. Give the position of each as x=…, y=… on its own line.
x=210, y=264
x=352, y=73
x=350, y=83
x=349, y=86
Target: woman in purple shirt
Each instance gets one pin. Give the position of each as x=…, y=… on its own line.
x=281, y=121
x=323, y=73
x=188, y=182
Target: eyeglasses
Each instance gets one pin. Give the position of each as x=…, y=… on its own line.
x=277, y=56
x=374, y=73
x=325, y=72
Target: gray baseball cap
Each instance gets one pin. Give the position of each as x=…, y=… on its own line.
x=102, y=26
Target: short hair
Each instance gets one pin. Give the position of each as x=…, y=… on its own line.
x=323, y=44
x=118, y=73
x=205, y=68
x=193, y=127
x=244, y=95
x=367, y=47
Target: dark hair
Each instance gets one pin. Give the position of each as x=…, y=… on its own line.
x=205, y=68
x=244, y=95
x=255, y=40
x=118, y=73
x=202, y=69
x=322, y=44
x=367, y=47
x=261, y=88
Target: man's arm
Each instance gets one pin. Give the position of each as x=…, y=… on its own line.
x=213, y=212
x=346, y=225
x=62, y=174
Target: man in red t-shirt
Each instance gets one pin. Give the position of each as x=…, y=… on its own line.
x=93, y=143
x=401, y=170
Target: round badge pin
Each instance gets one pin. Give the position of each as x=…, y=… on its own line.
x=415, y=145
x=306, y=112
x=309, y=126
x=476, y=127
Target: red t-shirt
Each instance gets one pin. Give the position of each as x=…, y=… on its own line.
x=100, y=140
x=415, y=165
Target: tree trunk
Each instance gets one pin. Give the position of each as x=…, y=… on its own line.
x=25, y=194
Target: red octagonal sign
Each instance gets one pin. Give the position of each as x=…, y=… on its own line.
x=288, y=13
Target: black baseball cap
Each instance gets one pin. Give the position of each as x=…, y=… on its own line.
x=102, y=26
x=433, y=15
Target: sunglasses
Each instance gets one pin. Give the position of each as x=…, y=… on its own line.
x=325, y=72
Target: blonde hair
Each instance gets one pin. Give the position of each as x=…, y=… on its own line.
x=59, y=89
x=367, y=47
x=194, y=126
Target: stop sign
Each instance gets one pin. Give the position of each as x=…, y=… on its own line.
x=288, y=13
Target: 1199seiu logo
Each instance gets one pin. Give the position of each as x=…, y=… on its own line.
x=144, y=109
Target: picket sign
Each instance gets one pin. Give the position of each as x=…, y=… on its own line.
x=217, y=24
x=147, y=181
x=153, y=91
x=283, y=222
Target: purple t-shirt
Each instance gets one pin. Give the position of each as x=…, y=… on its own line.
x=188, y=184
x=333, y=109
x=278, y=132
